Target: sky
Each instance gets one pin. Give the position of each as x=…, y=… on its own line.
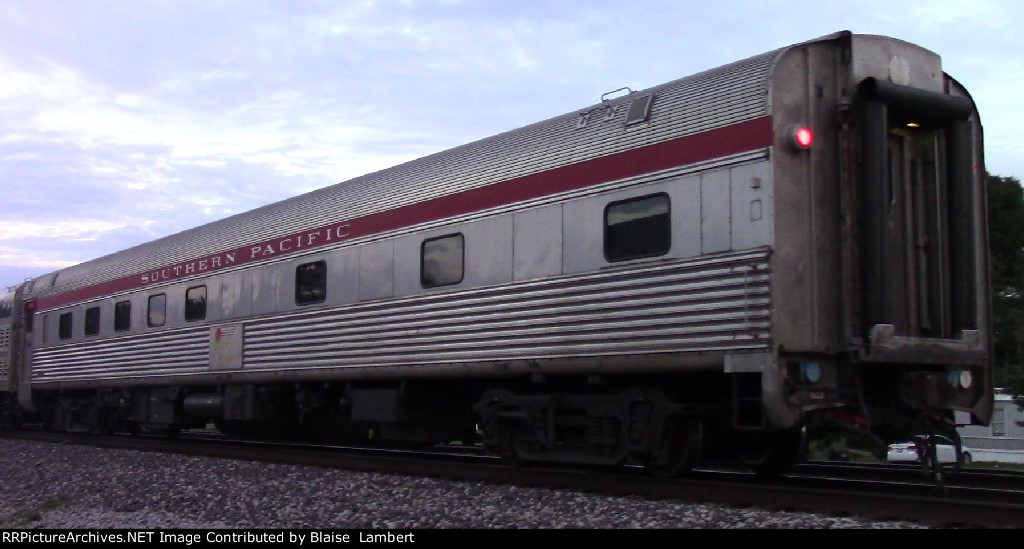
x=125, y=121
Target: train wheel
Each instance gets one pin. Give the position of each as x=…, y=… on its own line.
x=11, y=420
x=510, y=458
x=60, y=418
x=133, y=428
x=108, y=421
x=679, y=448
x=770, y=454
x=507, y=450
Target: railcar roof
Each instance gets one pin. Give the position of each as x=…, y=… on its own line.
x=708, y=100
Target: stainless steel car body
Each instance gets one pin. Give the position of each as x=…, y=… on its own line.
x=761, y=273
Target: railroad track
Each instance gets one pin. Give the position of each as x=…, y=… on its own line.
x=1011, y=481
x=976, y=499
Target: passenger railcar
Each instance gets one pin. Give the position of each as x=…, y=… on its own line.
x=796, y=240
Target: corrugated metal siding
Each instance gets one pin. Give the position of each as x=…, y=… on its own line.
x=712, y=304
x=708, y=304
x=160, y=353
x=709, y=100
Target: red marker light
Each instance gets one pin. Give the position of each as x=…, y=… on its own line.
x=804, y=138
x=798, y=138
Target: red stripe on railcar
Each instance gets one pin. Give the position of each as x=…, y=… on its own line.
x=734, y=139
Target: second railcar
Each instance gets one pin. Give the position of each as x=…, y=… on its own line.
x=714, y=264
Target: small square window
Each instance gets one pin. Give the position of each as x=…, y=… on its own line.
x=195, y=303
x=123, y=316
x=442, y=261
x=64, y=327
x=636, y=228
x=639, y=110
x=311, y=283
x=92, y=321
x=157, y=310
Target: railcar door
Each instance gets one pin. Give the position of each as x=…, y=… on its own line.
x=920, y=249
x=915, y=279
x=5, y=345
x=918, y=217
x=20, y=331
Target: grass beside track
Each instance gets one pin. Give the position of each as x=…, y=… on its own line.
x=996, y=466
x=24, y=518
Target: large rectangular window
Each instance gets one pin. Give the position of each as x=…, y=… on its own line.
x=64, y=327
x=442, y=261
x=638, y=227
x=311, y=283
x=195, y=303
x=123, y=316
x=157, y=310
x=92, y=321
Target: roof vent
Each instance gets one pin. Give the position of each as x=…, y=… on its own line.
x=639, y=110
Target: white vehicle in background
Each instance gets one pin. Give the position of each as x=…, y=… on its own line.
x=911, y=451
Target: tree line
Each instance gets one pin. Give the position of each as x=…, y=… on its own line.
x=1006, y=244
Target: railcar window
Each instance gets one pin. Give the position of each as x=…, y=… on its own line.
x=122, y=316
x=92, y=321
x=157, y=310
x=638, y=227
x=46, y=329
x=64, y=328
x=639, y=110
x=442, y=261
x=195, y=303
x=311, y=283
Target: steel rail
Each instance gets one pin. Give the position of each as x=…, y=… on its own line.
x=923, y=502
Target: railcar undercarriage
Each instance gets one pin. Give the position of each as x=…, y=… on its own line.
x=665, y=423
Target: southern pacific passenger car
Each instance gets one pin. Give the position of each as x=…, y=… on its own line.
x=716, y=264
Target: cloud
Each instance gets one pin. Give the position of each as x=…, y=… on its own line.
x=78, y=230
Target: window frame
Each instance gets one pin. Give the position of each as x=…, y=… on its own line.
x=423, y=258
x=606, y=226
x=206, y=296
x=149, y=310
x=323, y=295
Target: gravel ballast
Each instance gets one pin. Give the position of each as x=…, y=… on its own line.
x=49, y=485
